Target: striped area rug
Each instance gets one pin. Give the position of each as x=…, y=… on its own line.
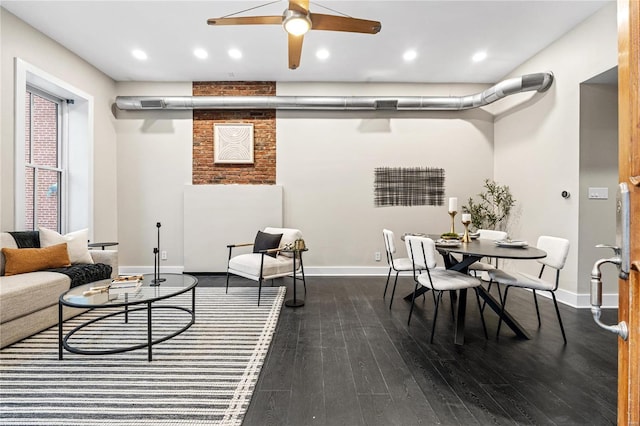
x=204, y=376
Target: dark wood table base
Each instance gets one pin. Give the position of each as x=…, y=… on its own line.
x=461, y=305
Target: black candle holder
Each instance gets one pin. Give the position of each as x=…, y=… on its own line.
x=156, y=261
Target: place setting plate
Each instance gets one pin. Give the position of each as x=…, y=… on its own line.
x=512, y=243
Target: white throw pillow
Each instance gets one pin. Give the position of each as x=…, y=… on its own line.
x=76, y=243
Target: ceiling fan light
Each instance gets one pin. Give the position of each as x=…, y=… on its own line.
x=296, y=23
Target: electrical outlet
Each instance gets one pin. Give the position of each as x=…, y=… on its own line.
x=163, y=255
x=377, y=256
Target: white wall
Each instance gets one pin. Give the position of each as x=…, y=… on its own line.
x=326, y=162
x=217, y=215
x=537, y=143
x=20, y=40
x=154, y=164
x=598, y=168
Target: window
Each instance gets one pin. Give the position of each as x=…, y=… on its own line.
x=43, y=160
x=53, y=178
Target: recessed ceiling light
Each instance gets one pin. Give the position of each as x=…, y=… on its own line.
x=410, y=55
x=322, y=54
x=139, y=54
x=479, y=56
x=235, y=53
x=200, y=53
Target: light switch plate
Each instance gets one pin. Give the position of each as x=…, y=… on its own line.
x=598, y=193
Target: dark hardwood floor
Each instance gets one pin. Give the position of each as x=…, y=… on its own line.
x=346, y=359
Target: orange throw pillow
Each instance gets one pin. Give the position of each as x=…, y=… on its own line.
x=19, y=261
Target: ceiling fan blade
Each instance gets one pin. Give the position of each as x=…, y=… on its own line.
x=246, y=20
x=343, y=23
x=295, y=51
x=299, y=5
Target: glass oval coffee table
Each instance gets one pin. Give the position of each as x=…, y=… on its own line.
x=142, y=298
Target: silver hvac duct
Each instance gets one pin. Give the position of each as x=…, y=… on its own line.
x=529, y=82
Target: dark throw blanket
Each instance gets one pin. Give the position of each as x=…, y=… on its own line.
x=84, y=274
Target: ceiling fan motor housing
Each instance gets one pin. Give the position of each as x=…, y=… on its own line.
x=295, y=22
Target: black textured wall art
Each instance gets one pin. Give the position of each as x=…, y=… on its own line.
x=408, y=186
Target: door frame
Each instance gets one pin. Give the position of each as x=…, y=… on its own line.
x=629, y=172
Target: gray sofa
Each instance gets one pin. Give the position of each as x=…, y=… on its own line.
x=29, y=301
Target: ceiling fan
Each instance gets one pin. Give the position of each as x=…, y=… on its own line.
x=297, y=20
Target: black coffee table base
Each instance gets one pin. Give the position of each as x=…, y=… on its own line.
x=150, y=342
x=63, y=338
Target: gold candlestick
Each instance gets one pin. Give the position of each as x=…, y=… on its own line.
x=453, y=227
x=466, y=238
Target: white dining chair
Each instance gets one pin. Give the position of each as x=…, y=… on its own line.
x=557, y=250
x=397, y=264
x=437, y=279
x=487, y=234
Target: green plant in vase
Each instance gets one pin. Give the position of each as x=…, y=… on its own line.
x=492, y=208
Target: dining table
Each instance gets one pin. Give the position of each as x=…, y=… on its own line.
x=472, y=252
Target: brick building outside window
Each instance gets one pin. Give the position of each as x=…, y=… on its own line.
x=43, y=160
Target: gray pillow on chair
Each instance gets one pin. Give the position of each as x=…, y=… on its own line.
x=266, y=241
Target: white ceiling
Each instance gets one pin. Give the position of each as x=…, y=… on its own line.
x=445, y=35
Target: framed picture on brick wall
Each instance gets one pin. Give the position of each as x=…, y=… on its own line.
x=233, y=143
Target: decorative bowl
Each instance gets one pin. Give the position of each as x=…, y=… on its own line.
x=450, y=236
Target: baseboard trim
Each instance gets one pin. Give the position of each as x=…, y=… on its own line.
x=575, y=300
x=131, y=270
x=340, y=271
x=582, y=300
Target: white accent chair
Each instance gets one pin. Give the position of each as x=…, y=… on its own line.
x=423, y=252
x=397, y=264
x=266, y=264
x=557, y=250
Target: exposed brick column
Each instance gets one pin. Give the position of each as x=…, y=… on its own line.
x=263, y=171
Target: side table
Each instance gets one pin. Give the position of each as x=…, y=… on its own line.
x=297, y=254
x=103, y=245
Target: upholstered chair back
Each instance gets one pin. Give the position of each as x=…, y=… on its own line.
x=557, y=250
x=289, y=236
x=421, y=248
x=389, y=244
x=490, y=234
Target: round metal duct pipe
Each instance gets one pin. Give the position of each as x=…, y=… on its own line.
x=526, y=83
